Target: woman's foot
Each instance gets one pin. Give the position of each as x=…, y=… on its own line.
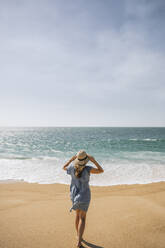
x=79, y=245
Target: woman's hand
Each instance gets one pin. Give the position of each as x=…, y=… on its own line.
x=94, y=170
x=91, y=158
x=73, y=158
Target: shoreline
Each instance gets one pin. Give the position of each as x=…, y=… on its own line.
x=37, y=216
x=14, y=181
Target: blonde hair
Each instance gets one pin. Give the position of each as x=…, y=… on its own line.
x=78, y=170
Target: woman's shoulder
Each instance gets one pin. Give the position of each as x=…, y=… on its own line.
x=70, y=169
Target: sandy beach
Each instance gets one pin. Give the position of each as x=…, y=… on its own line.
x=125, y=216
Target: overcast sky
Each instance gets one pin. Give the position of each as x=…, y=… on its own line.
x=82, y=63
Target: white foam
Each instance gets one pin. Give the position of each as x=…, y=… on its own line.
x=49, y=170
x=147, y=139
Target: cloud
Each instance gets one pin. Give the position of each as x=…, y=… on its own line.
x=98, y=58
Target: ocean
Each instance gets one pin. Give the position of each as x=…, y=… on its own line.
x=128, y=155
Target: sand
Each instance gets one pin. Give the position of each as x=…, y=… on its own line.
x=126, y=216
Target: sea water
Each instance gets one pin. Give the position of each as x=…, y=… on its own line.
x=37, y=154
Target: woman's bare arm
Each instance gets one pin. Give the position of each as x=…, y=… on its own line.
x=94, y=170
x=67, y=163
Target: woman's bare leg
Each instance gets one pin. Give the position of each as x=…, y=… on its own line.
x=81, y=226
x=77, y=220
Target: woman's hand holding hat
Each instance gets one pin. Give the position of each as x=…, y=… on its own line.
x=91, y=158
x=73, y=158
x=99, y=168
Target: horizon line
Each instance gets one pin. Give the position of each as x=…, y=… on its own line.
x=83, y=126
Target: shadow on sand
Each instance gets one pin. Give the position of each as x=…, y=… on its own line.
x=91, y=245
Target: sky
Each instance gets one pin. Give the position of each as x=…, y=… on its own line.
x=82, y=63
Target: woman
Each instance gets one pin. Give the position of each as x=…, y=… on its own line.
x=79, y=188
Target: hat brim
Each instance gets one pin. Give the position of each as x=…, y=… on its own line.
x=83, y=162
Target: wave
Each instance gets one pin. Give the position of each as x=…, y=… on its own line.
x=146, y=139
x=28, y=158
x=47, y=170
x=15, y=157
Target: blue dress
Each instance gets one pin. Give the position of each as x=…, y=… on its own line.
x=79, y=189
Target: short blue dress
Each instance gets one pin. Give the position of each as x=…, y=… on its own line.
x=80, y=193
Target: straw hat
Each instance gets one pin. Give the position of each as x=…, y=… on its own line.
x=82, y=158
